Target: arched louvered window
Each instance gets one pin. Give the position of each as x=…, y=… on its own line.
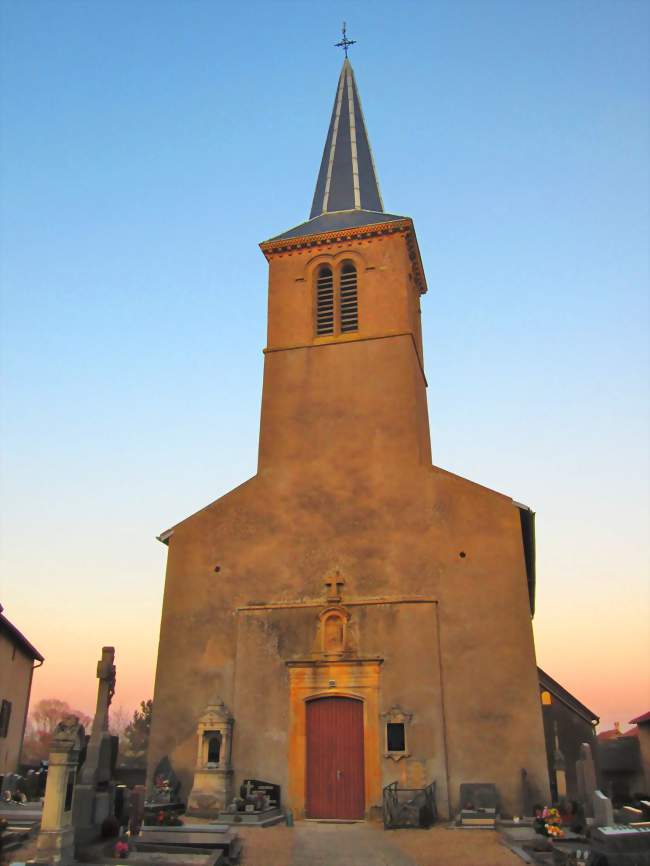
x=324, y=302
x=348, y=308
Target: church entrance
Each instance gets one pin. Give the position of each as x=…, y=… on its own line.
x=335, y=766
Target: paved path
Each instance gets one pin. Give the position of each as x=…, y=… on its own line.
x=317, y=844
x=368, y=844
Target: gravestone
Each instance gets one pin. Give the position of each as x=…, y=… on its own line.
x=586, y=779
x=10, y=782
x=136, y=809
x=479, y=804
x=559, y=766
x=166, y=785
x=603, y=811
x=620, y=846
x=190, y=838
x=94, y=794
x=55, y=844
x=254, y=788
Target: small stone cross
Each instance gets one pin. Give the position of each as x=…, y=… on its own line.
x=334, y=587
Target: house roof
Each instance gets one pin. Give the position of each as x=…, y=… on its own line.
x=18, y=638
x=610, y=734
x=641, y=720
x=559, y=692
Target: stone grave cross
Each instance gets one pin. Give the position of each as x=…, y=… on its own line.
x=93, y=798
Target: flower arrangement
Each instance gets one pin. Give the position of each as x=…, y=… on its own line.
x=167, y=819
x=547, y=823
x=122, y=850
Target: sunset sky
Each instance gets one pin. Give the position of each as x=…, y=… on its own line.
x=147, y=148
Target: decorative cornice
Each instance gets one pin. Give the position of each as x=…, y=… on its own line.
x=324, y=239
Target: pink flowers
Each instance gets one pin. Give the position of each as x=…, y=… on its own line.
x=121, y=850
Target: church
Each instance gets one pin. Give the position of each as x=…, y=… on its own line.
x=353, y=615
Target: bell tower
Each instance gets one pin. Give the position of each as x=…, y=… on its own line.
x=429, y=576
x=344, y=380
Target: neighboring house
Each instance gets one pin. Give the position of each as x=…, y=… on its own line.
x=643, y=735
x=567, y=724
x=17, y=663
x=623, y=772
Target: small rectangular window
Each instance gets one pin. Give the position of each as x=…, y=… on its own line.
x=395, y=737
x=5, y=715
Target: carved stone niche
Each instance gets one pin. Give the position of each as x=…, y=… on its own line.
x=212, y=789
x=395, y=733
x=333, y=631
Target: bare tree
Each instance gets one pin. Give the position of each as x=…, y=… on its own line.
x=41, y=723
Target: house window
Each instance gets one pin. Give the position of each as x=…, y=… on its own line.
x=324, y=302
x=5, y=715
x=348, y=308
x=395, y=737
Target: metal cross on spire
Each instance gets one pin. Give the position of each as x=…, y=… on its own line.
x=345, y=42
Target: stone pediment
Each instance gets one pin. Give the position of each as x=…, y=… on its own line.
x=214, y=715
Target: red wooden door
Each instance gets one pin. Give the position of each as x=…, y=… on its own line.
x=335, y=777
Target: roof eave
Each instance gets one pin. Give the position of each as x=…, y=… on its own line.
x=165, y=536
x=567, y=698
x=279, y=246
x=28, y=648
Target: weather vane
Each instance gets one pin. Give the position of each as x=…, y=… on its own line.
x=345, y=42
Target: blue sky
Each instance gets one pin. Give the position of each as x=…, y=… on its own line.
x=147, y=148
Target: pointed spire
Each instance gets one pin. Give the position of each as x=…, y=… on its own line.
x=347, y=178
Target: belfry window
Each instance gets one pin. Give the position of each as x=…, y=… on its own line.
x=348, y=308
x=324, y=302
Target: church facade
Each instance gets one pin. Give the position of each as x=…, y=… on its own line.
x=363, y=615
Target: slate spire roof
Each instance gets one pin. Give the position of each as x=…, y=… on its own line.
x=347, y=179
x=347, y=191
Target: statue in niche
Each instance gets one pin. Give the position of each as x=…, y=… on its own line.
x=214, y=748
x=333, y=637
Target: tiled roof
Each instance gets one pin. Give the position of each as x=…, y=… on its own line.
x=641, y=720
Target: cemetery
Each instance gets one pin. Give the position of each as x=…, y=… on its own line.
x=82, y=814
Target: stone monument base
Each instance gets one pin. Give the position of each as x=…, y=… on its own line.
x=211, y=793
x=55, y=847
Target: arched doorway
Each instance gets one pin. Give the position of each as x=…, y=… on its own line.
x=335, y=767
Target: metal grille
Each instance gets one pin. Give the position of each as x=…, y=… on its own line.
x=324, y=302
x=409, y=807
x=349, y=310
